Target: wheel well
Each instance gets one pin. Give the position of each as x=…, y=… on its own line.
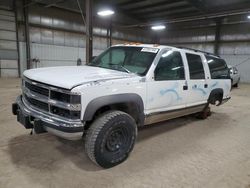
x=129, y=108
x=215, y=95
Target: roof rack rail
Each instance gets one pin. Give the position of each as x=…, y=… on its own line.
x=208, y=53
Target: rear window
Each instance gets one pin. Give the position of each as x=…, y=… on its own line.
x=218, y=68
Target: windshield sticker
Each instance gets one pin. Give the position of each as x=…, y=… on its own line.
x=152, y=50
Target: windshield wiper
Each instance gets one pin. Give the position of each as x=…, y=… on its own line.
x=125, y=69
x=120, y=66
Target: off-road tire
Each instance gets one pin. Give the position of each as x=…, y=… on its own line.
x=111, y=138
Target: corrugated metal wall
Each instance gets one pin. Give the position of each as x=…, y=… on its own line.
x=59, y=40
x=8, y=45
x=235, y=48
x=57, y=48
x=199, y=38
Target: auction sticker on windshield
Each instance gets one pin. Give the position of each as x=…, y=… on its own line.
x=152, y=50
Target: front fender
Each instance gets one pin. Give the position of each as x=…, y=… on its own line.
x=100, y=102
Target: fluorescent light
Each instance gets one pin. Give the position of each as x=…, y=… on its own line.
x=105, y=12
x=158, y=27
x=248, y=17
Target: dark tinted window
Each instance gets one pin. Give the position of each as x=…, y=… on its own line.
x=218, y=68
x=170, y=67
x=195, y=66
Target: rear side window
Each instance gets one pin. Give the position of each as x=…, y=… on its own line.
x=195, y=65
x=218, y=68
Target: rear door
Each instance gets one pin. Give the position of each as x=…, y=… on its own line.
x=198, y=79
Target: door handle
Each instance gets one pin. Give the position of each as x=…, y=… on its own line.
x=185, y=87
x=205, y=85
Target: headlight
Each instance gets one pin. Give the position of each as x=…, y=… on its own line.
x=65, y=113
x=73, y=104
x=67, y=98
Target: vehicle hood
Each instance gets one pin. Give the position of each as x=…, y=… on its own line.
x=71, y=76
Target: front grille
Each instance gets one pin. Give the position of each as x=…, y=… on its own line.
x=37, y=89
x=55, y=101
x=38, y=104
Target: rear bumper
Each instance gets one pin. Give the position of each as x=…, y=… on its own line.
x=42, y=122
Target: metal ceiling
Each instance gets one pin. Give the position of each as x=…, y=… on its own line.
x=145, y=12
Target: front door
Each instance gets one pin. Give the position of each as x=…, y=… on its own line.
x=167, y=91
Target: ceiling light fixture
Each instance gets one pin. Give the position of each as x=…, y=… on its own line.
x=105, y=12
x=248, y=17
x=158, y=27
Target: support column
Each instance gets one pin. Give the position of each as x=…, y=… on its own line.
x=107, y=36
x=17, y=41
x=110, y=32
x=89, y=31
x=27, y=33
x=217, y=37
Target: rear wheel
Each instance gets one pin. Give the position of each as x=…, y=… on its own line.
x=205, y=113
x=111, y=138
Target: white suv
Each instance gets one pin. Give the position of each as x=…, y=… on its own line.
x=235, y=76
x=125, y=87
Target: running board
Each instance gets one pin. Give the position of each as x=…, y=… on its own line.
x=163, y=116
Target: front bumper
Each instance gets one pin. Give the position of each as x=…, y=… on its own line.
x=42, y=122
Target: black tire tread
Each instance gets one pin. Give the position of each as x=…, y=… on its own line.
x=94, y=130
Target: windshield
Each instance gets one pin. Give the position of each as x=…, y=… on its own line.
x=127, y=59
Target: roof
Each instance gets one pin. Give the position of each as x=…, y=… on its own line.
x=145, y=45
x=165, y=46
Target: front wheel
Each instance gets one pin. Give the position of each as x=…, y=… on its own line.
x=111, y=138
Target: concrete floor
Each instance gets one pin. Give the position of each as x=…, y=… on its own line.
x=184, y=152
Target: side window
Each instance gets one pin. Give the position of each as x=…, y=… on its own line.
x=170, y=67
x=218, y=68
x=195, y=66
